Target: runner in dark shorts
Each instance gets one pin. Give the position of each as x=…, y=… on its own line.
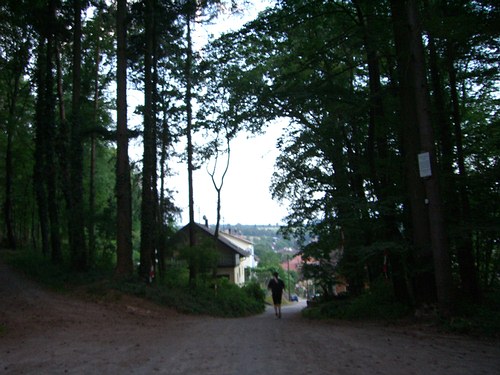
x=277, y=286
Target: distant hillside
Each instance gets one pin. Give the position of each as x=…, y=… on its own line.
x=252, y=230
x=266, y=236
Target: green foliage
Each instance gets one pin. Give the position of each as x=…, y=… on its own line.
x=201, y=258
x=330, y=70
x=268, y=258
x=254, y=291
x=59, y=277
x=216, y=297
x=38, y=267
x=477, y=319
x=377, y=303
x=176, y=273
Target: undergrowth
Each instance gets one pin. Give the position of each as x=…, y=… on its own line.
x=378, y=304
x=215, y=297
x=477, y=319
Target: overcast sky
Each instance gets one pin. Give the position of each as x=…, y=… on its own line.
x=245, y=196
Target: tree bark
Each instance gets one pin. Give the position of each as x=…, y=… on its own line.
x=189, y=113
x=218, y=188
x=148, y=204
x=77, y=225
x=414, y=89
x=465, y=256
x=49, y=130
x=9, y=172
x=39, y=172
x=377, y=149
x=91, y=218
x=124, y=266
x=62, y=141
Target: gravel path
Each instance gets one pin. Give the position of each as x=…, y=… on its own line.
x=46, y=333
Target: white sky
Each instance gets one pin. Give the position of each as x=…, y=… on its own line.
x=245, y=196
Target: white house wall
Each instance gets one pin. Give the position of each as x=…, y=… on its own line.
x=249, y=262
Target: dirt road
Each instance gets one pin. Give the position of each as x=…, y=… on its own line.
x=46, y=333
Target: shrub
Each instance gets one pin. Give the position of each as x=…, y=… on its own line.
x=207, y=296
x=254, y=291
x=477, y=319
x=376, y=303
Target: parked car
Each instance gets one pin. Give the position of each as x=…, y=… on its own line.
x=294, y=298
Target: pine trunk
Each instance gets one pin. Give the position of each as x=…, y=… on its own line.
x=465, y=255
x=76, y=218
x=124, y=265
x=148, y=204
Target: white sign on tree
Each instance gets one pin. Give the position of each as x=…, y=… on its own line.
x=424, y=164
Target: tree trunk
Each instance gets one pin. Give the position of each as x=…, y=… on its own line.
x=39, y=173
x=162, y=214
x=148, y=204
x=218, y=188
x=377, y=147
x=91, y=218
x=415, y=96
x=49, y=130
x=189, y=114
x=62, y=141
x=465, y=256
x=11, y=118
x=124, y=266
x=77, y=225
x=158, y=219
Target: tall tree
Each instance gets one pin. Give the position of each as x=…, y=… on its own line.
x=124, y=265
x=45, y=166
x=77, y=225
x=414, y=93
x=149, y=201
x=461, y=237
x=15, y=42
x=218, y=185
x=378, y=151
x=190, y=10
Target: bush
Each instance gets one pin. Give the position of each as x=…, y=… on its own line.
x=210, y=297
x=477, y=319
x=376, y=303
x=225, y=300
x=254, y=291
x=39, y=268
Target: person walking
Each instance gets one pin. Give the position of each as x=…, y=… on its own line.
x=276, y=285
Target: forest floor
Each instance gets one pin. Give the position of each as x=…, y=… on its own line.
x=42, y=332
